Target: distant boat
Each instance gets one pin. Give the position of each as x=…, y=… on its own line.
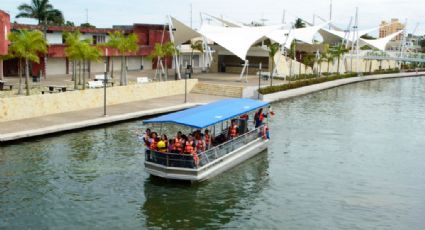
x=224, y=154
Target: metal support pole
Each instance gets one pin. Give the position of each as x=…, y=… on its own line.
x=259, y=80
x=105, y=82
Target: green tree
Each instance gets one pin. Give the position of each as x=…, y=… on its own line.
x=27, y=45
x=308, y=61
x=338, y=52
x=169, y=51
x=299, y=23
x=81, y=51
x=273, y=49
x=158, y=54
x=42, y=11
x=125, y=44
x=195, y=46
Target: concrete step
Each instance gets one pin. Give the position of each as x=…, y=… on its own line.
x=218, y=90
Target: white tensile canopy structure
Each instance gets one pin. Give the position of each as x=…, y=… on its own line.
x=237, y=40
x=379, y=43
x=182, y=32
x=332, y=36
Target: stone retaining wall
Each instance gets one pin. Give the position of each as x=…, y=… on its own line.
x=16, y=108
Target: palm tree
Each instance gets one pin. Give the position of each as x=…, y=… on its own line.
x=81, y=51
x=330, y=58
x=169, y=50
x=113, y=42
x=27, y=45
x=125, y=44
x=273, y=48
x=308, y=61
x=195, y=46
x=158, y=54
x=71, y=39
x=42, y=11
x=299, y=23
x=320, y=60
x=337, y=52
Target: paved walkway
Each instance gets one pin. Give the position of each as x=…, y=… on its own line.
x=14, y=130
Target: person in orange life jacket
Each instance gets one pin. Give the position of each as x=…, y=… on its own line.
x=146, y=137
x=233, y=130
x=207, y=139
x=153, y=142
x=178, y=143
x=200, y=144
x=190, y=149
x=259, y=117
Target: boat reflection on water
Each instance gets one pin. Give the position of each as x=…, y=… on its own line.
x=173, y=204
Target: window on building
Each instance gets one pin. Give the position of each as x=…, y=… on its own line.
x=98, y=39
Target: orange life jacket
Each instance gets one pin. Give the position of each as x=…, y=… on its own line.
x=177, y=144
x=233, y=131
x=200, y=146
x=153, y=145
x=261, y=117
x=189, y=147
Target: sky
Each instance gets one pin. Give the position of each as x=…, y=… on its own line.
x=105, y=13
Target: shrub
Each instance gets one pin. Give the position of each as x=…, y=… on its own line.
x=309, y=80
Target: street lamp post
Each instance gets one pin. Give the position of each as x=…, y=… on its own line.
x=105, y=82
x=259, y=80
x=188, y=72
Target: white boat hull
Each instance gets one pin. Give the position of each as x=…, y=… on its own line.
x=211, y=169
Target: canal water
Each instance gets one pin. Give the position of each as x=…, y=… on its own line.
x=352, y=157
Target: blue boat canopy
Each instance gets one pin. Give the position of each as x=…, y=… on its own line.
x=207, y=115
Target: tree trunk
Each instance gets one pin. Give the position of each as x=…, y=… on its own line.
x=27, y=76
x=79, y=72
x=74, y=69
x=328, y=67
x=112, y=68
x=122, y=71
x=337, y=68
x=1, y=70
x=125, y=71
x=20, y=76
x=271, y=74
x=84, y=74
x=89, y=68
x=166, y=69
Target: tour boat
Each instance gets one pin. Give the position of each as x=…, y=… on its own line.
x=224, y=154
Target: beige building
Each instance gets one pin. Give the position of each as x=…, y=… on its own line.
x=388, y=28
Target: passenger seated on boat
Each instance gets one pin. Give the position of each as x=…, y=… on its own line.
x=219, y=139
x=207, y=139
x=162, y=144
x=170, y=146
x=178, y=143
x=200, y=144
x=153, y=143
x=233, y=130
x=146, y=137
x=190, y=149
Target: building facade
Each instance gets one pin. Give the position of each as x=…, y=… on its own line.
x=391, y=27
x=57, y=62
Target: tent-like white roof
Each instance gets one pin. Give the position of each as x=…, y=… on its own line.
x=330, y=36
x=182, y=33
x=380, y=43
x=302, y=34
x=237, y=40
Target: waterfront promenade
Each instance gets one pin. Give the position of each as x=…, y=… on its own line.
x=37, y=126
x=60, y=122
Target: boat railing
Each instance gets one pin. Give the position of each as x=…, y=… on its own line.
x=228, y=146
x=216, y=152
